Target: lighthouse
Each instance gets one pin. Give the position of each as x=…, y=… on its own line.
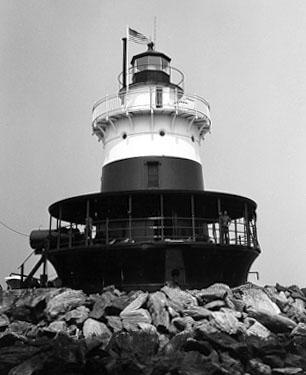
x=153, y=222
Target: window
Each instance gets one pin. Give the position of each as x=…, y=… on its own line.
x=153, y=177
x=159, y=97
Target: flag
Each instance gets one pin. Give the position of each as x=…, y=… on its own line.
x=137, y=37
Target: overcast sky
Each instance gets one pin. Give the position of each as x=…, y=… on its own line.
x=246, y=57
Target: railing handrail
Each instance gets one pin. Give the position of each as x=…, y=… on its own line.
x=148, y=89
x=208, y=220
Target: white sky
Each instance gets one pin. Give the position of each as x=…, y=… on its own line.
x=246, y=57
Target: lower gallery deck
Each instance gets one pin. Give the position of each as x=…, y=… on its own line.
x=146, y=238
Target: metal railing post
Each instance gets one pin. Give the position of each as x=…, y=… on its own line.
x=255, y=234
x=22, y=274
x=219, y=220
x=59, y=224
x=252, y=234
x=87, y=223
x=162, y=216
x=193, y=218
x=246, y=223
x=70, y=236
x=106, y=231
x=130, y=217
x=50, y=228
x=214, y=232
x=236, y=238
x=44, y=278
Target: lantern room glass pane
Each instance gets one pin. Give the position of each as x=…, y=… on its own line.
x=165, y=66
x=141, y=64
x=151, y=63
x=154, y=63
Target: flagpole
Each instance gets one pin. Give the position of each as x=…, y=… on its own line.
x=154, y=31
x=127, y=58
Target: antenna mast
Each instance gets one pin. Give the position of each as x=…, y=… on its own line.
x=154, y=30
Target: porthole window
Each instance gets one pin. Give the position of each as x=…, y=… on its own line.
x=162, y=133
x=124, y=135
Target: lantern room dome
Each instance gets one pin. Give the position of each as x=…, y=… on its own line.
x=156, y=60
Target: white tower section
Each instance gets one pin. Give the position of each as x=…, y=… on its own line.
x=151, y=116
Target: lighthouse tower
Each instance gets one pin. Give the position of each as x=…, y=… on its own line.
x=152, y=222
x=151, y=131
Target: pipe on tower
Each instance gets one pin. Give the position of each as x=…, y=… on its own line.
x=124, y=67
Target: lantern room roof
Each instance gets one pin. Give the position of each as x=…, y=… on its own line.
x=150, y=52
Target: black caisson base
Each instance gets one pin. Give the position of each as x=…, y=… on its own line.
x=148, y=266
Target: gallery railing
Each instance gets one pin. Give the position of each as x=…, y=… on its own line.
x=154, y=229
x=150, y=98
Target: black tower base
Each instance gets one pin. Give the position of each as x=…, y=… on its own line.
x=149, y=266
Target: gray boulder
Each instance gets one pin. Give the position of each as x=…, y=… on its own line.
x=100, y=304
x=183, y=324
x=215, y=305
x=226, y=321
x=197, y=312
x=56, y=326
x=63, y=302
x=137, y=303
x=257, y=367
x=93, y=328
x=4, y=321
x=179, y=299
x=78, y=315
x=274, y=322
x=114, y=322
x=216, y=291
x=131, y=318
x=257, y=329
x=287, y=371
x=157, y=306
x=256, y=298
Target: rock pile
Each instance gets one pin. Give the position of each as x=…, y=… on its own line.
x=217, y=330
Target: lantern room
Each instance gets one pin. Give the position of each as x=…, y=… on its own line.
x=151, y=67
